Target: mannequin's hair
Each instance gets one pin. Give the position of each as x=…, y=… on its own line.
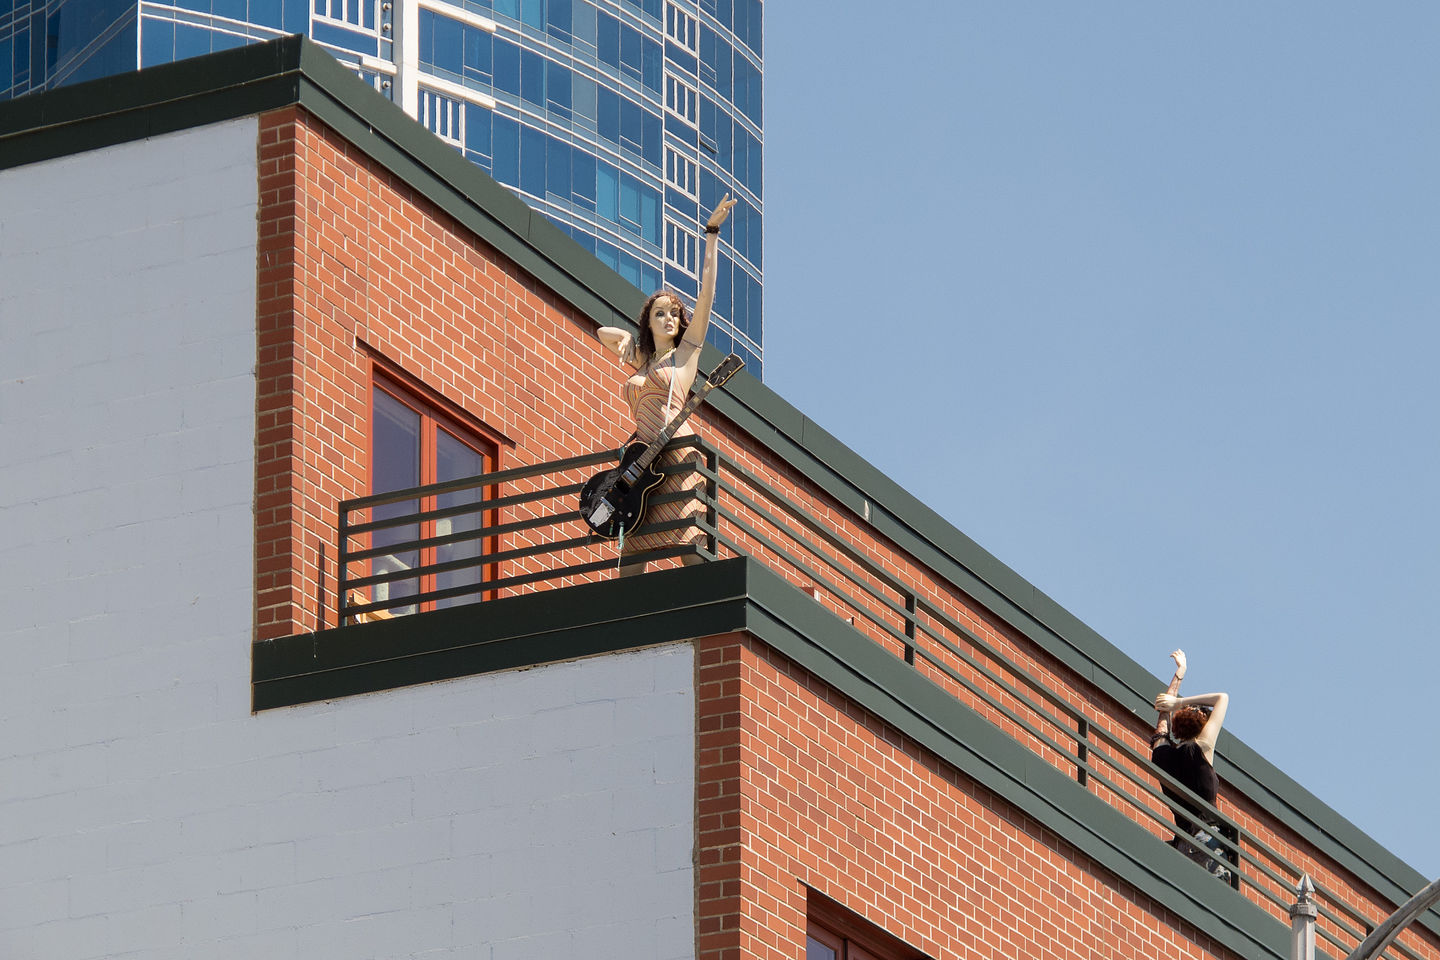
x=1188, y=722
x=645, y=343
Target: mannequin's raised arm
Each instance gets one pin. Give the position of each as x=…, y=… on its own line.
x=695, y=333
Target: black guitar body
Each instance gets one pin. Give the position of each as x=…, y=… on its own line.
x=625, y=499
x=613, y=501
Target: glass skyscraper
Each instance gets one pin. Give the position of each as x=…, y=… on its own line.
x=624, y=121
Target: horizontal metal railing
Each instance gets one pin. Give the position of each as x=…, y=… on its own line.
x=529, y=535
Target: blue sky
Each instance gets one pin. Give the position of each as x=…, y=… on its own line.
x=1143, y=298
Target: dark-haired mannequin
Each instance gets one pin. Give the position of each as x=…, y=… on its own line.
x=1183, y=745
x=666, y=357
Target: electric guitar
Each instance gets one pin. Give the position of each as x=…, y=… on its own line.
x=615, y=500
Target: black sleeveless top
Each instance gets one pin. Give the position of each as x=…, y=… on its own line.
x=1186, y=762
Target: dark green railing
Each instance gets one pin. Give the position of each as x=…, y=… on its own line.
x=400, y=553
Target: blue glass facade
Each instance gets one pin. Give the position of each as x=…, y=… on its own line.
x=624, y=121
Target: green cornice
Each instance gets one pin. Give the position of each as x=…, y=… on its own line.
x=519, y=631
x=293, y=71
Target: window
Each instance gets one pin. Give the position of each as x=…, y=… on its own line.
x=821, y=944
x=682, y=28
x=679, y=246
x=681, y=172
x=834, y=933
x=417, y=439
x=444, y=117
x=681, y=99
x=359, y=13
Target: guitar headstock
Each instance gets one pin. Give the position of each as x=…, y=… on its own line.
x=728, y=368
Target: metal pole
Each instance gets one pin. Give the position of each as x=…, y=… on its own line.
x=1302, y=921
x=1381, y=936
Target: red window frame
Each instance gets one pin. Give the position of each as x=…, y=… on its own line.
x=849, y=935
x=435, y=414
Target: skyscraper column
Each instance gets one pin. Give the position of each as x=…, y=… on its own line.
x=406, y=17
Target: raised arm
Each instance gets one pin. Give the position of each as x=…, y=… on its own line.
x=687, y=352
x=1162, y=723
x=1210, y=733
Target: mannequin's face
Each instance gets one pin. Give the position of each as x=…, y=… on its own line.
x=664, y=321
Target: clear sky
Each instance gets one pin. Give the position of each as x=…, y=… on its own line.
x=1143, y=298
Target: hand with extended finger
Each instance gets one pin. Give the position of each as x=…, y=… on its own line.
x=721, y=214
x=1179, y=657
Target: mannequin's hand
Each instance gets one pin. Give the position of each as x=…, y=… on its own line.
x=721, y=214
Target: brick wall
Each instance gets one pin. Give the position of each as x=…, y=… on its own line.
x=798, y=787
x=354, y=271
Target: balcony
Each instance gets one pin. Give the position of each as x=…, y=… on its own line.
x=516, y=532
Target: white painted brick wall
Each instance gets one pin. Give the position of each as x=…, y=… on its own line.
x=143, y=811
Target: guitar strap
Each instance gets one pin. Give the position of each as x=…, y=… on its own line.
x=670, y=394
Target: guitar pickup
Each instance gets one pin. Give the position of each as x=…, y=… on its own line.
x=601, y=513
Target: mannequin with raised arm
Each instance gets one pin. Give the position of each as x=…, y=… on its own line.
x=665, y=354
x=1183, y=745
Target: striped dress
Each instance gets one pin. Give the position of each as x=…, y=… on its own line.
x=654, y=404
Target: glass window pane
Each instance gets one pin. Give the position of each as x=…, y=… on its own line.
x=632, y=125
x=477, y=54
x=654, y=139
x=297, y=16
x=582, y=24
x=607, y=40
x=266, y=12
x=607, y=191
x=557, y=88
x=532, y=161
x=477, y=129
x=395, y=465
x=652, y=66
x=449, y=45
x=557, y=167
x=584, y=96
x=630, y=200
x=609, y=120
x=157, y=42
x=191, y=41
x=505, y=141
x=650, y=215
x=505, y=58
x=630, y=57
x=557, y=19
x=815, y=950
x=583, y=183
x=532, y=78
x=455, y=460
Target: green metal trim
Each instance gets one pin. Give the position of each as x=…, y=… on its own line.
x=663, y=607
x=147, y=103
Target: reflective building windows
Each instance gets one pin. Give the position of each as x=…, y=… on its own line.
x=623, y=121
